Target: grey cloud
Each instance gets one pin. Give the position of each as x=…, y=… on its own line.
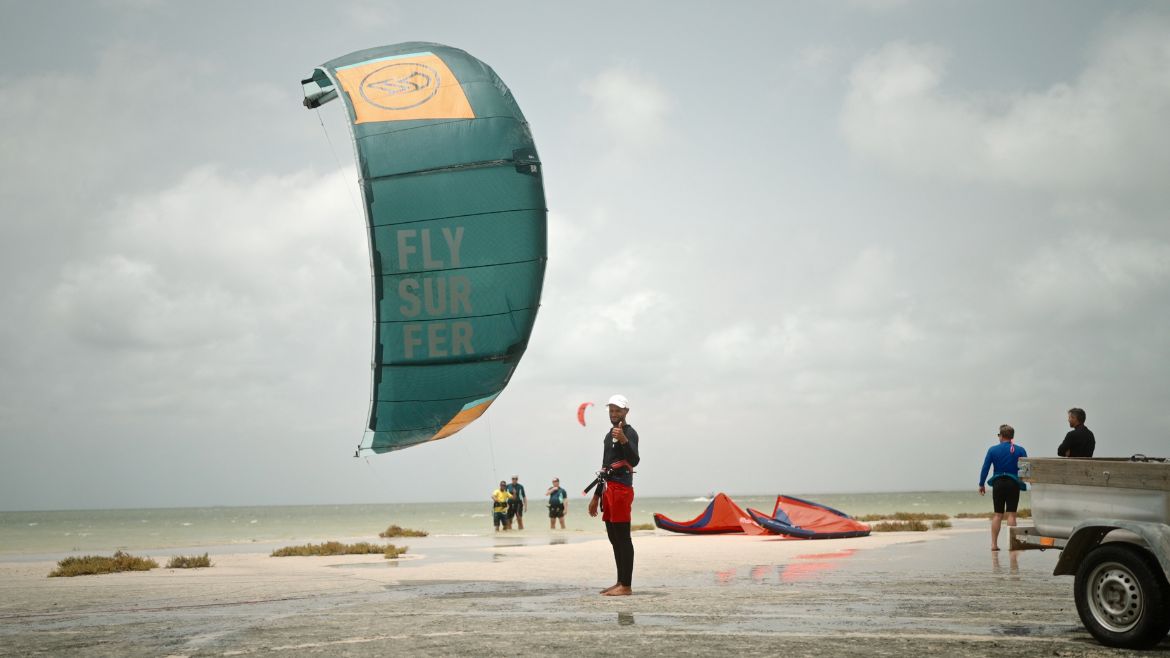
x=1082, y=276
x=1099, y=131
x=629, y=107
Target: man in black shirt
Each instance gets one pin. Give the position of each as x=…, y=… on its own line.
x=615, y=495
x=1079, y=442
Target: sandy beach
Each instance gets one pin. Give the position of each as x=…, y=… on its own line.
x=939, y=592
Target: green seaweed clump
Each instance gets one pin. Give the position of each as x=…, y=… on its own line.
x=940, y=524
x=1025, y=513
x=904, y=516
x=192, y=562
x=97, y=564
x=900, y=526
x=330, y=548
x=399, y=531
x=642, y=526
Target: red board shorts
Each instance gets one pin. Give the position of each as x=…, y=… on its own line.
x=617, y=502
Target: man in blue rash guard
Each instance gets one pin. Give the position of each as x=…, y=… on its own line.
x=1005, y=484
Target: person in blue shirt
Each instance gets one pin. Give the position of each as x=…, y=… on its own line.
x=558, y=504
x=1005, y=483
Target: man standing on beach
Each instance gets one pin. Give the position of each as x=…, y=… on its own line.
x=1006, y=483
x=519, y=503
x=615, y=495
x=558, y=503
x=500, y=498
x=1079, y=442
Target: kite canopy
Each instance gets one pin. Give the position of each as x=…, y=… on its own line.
x=721, y=516
x=808, y=520
x=456, y=217
x=581, y=412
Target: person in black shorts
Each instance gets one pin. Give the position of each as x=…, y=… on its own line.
x=1006, y=483
x=519, y=503
x=500, y=498
x=558, y=502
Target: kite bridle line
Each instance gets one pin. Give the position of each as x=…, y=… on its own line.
x=337, y=161
x=357, y=208
x=491, y=446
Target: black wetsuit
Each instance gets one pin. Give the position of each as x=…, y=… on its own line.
x=1080, y=442
x=619, y=532
x=516, y=505
x=614, y=452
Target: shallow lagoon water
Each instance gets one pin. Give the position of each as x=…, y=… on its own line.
x=74, y=531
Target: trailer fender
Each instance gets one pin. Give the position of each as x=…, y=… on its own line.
x=1088, y=534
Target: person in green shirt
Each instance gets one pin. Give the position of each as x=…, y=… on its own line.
x=558, y=504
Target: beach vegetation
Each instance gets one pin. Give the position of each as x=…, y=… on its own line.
x=913, y=525
x=392, y=551
x=642, y=526
x=399, y=531
x=940, y=524
x=1024, y=513
x=189, y=562
x=97, y=564
x=335, y=548
x=903, y=516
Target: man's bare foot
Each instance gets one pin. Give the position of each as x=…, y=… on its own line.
x=619, y=590
x=611, y=587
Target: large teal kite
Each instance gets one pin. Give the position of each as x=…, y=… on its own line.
x=457, y=229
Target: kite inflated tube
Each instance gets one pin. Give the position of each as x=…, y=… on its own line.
x=722, y=516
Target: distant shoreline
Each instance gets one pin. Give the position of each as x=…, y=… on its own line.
x=89, y=531
x=688, y=496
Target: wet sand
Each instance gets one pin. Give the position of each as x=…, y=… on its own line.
x=940, y=592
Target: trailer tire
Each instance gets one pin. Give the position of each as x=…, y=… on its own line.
x=1122, y=596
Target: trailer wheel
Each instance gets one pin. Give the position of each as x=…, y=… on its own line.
x=1122, y=596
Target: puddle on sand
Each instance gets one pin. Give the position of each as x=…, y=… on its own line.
x=801, y=568
x=1013, y=561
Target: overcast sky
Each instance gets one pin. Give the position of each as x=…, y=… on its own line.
x=822, y=247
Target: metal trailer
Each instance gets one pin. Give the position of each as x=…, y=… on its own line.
x=1110, y=519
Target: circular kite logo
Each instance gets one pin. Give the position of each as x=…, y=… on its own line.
x=400, y=86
